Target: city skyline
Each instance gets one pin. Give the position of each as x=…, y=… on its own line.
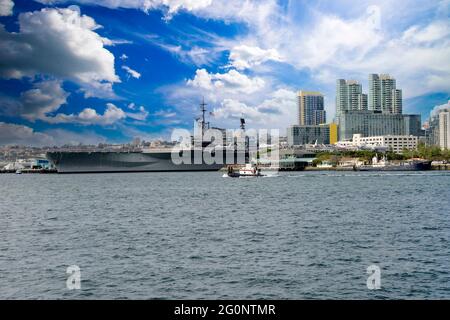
x=110, y=71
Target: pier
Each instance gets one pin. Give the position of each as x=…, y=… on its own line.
x=31, y=171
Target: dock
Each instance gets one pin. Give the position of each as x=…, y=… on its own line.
x=31, y=171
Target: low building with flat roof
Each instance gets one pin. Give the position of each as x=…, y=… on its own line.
x=395, y=143
x=375, y=123
x=320, y=134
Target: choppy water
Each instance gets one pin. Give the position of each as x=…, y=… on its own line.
x=198, y=235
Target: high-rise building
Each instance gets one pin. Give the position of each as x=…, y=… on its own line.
x=311, y=108
x=444, y=129
x=375, y=123
x=374, y=92
x=349, y=96
x=341, y=96
x=354, y=90
x=435, y=130
x=397, y=101
x=388, y=85
x=362, y=102
x=383, y=94
x=319, y=117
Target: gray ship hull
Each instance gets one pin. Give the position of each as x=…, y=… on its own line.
x=106, y=162
x=415, y=166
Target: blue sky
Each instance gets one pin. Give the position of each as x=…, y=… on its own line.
x=111, y=70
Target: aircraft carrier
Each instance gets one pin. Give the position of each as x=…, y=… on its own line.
x=150, y=160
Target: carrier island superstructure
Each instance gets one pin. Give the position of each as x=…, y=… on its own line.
x=152, y=159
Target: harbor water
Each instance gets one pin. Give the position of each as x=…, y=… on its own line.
x=300, y=235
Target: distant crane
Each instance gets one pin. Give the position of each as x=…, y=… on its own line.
x=242, y=124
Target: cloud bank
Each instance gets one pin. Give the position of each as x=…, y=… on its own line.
x=61, y=43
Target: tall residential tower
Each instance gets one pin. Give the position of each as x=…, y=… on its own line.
x=311, y=108
x=349, y=96
x=374, y=92
x=397, y=101
x=444, y=129
x=384, y=95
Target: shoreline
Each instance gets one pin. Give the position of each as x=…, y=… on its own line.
x=309, y=169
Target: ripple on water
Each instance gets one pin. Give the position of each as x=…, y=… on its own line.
x=305, y=235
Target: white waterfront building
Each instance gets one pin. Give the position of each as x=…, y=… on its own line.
x=395, y=143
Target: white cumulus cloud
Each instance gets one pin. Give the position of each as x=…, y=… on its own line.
x=131, y=72
x=329, y=40
x=145, y=5
x=11, y=134
x=44, y=98
x=256, y=13
x=43, y=101
x=231, y=82
x=235, y=109
x=89, y=116
x=275, y=111
x=141, y=115
x=244, y=57
x=15, y=134
x=6, y=7
x=62, y=43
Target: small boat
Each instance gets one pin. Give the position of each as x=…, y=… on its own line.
x=248, y=171
x=18, y=171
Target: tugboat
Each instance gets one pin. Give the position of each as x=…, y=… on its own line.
x=248, y=171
